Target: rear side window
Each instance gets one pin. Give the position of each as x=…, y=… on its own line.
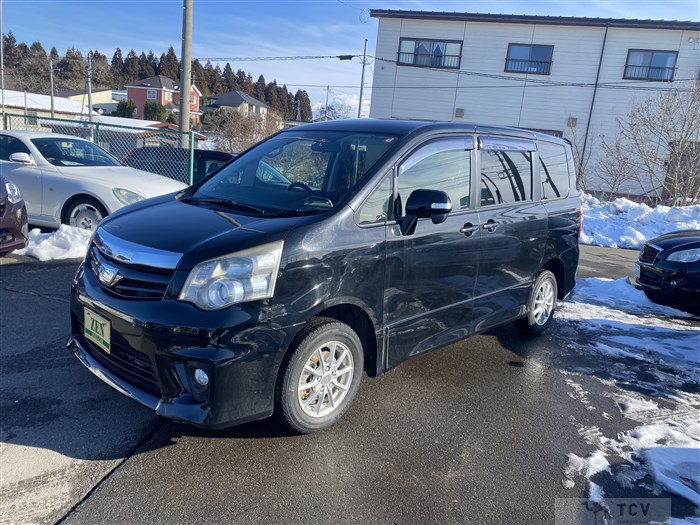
x=506, y=176
x=444, y=165
x=554, y=170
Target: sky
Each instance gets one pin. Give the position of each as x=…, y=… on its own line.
x=234, y=30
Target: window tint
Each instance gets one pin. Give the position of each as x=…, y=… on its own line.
x=443, y=165
x=554, y=170
x=10, y=145
x=506, y=176
x=376, y=207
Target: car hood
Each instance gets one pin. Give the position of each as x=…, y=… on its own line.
x=677, y=240
x=142, y=182
x=167, y=226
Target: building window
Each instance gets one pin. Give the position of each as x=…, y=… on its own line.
x=525, y=58
x=193, y=100
x=643, y=64
x=430, y=53
x=151, y=94
x=168, y=96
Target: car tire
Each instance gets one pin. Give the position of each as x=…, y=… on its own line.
x=84, y=213
x=541, y=306
x=321, y=377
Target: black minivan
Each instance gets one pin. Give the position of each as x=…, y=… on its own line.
x=323, y=252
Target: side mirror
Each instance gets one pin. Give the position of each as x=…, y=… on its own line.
x=424, y=204
x=22, y=158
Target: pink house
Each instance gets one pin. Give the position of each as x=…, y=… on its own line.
x=164, y=91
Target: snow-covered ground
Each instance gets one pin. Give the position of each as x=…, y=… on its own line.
x=613, y=319
x=620, y=323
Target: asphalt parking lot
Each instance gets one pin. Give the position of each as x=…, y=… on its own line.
x=474, y=433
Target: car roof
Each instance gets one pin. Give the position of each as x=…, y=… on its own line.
x=405, y=127
x=38, y=135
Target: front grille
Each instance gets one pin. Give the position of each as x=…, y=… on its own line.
x=648, y=254
x=649, y=278
x=123, y=361
x=145, y=283
x=2, y=208
x=6, y=236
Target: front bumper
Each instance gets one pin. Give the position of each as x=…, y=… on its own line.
x=13, y=227
x=668, y=281
x=157, y=345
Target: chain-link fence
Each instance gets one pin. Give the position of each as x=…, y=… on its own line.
x=155, y=149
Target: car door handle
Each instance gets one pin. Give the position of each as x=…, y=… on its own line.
x=491, y=226
x=469, y=229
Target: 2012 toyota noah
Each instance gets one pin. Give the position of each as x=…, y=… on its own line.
x=327, y=251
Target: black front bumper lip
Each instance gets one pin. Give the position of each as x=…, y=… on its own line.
x=176, y=410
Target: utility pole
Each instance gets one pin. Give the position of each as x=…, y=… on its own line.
x=362, y=80
x=185, y=73
x=89, y=86
x=51, y=81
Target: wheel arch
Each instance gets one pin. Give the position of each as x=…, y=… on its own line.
x=556, y=266
x=75, y=198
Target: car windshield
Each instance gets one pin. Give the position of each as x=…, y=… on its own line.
x=61, y=151
x=297, y=172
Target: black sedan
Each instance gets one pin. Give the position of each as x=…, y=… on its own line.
x=668, y=268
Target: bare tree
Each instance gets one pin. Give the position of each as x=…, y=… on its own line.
x=659, y=146
x=238, y=132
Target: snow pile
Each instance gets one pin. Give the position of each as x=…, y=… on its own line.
x=65, y=243
x=625, y=224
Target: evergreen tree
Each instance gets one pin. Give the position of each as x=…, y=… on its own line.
x=259, y=88
x=154, y=111
x=244, y=82
x=70, y=71
x=212, y=76
x=271, y=97
x=116, y=67
x=200, y=79
x=32, y=73
x=152, y=63
x=101, y=72
x=304, y=104
x=11, y=54
x=125, y=108
x=131, y=69
x=229, y=78
x=145, y=69
x=169, y=66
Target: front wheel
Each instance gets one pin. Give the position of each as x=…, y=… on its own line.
x=322, y=377
x=543, y=302
x=85, y=214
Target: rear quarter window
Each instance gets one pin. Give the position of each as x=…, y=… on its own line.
x=554, y=170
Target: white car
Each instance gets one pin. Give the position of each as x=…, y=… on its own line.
x=69, y=180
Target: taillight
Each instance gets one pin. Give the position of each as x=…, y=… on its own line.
x=580, y=216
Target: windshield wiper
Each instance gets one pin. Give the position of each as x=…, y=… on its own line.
x=224, y=202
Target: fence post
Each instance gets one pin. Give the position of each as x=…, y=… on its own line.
x=191, y=136
x=4, y=121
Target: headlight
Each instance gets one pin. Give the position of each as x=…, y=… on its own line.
x=236, y=278
x=686, y=256
x=126, y=196
x=13, y=194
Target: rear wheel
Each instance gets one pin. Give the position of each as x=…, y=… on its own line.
x=542, y=304
x=322, y=376
x=85, y=213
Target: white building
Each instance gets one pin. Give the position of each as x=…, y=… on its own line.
x=568, y=76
